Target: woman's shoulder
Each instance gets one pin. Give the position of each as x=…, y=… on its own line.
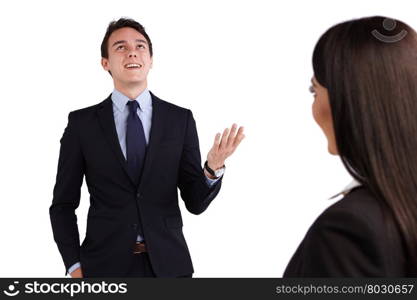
x=358, y=213
x=360, y=205
x=358, y=198
x=350, y=239
x=363, y=233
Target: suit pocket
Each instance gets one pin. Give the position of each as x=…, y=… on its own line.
x=170, y=143
x=173, y=222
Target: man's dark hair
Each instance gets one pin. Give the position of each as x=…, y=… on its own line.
x=121, y=23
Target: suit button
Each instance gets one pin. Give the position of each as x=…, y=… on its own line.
x=138, y=195
x=134, y=226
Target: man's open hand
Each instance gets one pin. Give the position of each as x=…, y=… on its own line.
x=224, y=145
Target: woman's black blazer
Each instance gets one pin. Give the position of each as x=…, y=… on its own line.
x=355, y=237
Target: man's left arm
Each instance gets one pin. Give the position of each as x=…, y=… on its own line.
x=197, y=186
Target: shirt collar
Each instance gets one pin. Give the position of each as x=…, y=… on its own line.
x=354, y=183
x=120, y=100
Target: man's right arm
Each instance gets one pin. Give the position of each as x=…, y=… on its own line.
x=66, y=194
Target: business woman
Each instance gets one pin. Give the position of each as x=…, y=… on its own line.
x=365, y=101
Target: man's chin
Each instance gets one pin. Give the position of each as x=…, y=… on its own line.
x=133, y=81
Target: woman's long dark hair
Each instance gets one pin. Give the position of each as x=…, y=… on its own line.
x=369, y=67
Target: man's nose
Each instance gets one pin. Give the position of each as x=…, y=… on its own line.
x=132, y=54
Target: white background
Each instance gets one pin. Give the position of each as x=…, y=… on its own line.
x=229, y=61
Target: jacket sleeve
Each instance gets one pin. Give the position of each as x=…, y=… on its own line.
x=195, y=191
x=66, y=194
x=341, y=243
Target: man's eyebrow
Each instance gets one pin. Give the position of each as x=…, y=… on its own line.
x=123, y=41
x=118, y=42
x=142, y=41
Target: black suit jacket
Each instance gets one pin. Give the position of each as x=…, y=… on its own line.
x=355, y=237
x=90, y=148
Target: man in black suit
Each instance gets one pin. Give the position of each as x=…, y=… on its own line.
x=134, y=150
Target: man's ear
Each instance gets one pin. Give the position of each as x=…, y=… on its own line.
x=105, y=64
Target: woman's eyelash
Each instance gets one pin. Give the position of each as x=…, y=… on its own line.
x=311, y=89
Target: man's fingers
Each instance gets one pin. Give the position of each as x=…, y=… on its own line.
x=77, y=273
x=223, y=141
x=239, y=137
x=229, y=140
x=232, y=135
x=216, y=142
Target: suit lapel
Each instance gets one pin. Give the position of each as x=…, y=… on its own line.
x=105, y=115
x=155, y=136
x=106, y=118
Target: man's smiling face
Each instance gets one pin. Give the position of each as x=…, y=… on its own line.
x=129, y=58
